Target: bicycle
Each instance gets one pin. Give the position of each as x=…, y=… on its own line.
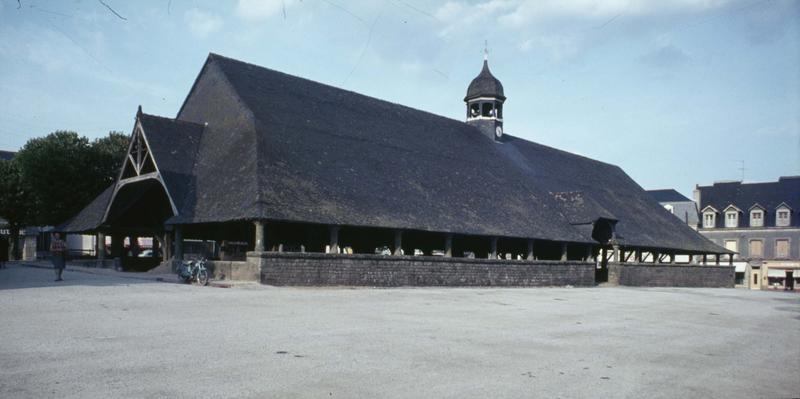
x=194, y=271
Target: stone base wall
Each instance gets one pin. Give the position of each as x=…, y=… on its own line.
x=313, y=269
x=233, y=270
x=660, y=275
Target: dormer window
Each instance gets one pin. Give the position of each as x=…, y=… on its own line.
x=731, y=219
x=732, y=216
x=709, y=219
x=756, y=218
x=783, y=216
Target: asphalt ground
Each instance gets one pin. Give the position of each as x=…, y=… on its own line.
x=112, y=336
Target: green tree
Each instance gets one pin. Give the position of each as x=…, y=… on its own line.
x=14, y=204
x=110, y=154
x=64, y=171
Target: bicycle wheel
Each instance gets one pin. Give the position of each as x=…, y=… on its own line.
x=202, y=277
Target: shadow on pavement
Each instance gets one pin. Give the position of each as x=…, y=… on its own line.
x=20, y=277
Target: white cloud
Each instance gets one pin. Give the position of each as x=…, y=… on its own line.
x=530, y=11
x=259, y=10
x=202, y=23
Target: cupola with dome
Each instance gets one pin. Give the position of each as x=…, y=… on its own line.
x=485, y=100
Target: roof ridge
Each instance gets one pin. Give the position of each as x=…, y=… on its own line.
x=176, y=120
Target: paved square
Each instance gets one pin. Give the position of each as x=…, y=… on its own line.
x=104, y=336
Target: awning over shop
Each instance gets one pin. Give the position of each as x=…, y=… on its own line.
x=776, y=273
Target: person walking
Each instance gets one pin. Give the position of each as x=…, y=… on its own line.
x=58, y=255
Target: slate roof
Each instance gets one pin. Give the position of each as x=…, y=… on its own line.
x=280, y=147
x=91, y=217
x=485, y=85
x=667, y=195
x=744, y=196
x=6, y=155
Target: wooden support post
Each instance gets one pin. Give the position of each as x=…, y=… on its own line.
x=638, y=256
x=178, y=254
x=334, y=239
x=529, y=255
x=493, y=248
x=604, y=257
x=167, y=251
x=705, y=259
x=563, y=252
x=448, y=246
x=260, y=238
x=656, y=257
x=100, y=246
x=716, y=260
x=730, y=260
x=117, y=245
x=672, y=258
x=156, y=244
x=398, y=242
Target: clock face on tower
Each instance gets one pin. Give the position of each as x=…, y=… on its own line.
x=498, y=132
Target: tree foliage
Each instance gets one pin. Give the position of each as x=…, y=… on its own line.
x=13, y=203
x=63, y=172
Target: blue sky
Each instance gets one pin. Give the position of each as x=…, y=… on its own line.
x=675, y=92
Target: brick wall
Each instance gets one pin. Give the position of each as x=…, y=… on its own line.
x=311, y=269
x=650, y=275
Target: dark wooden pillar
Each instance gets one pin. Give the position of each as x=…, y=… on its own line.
x=638, y=256
x=167, y=255
x=705, y=259
x=334, y=239
x=178, y=234
x=398, y=242
x=563, y=252
x=117, y=245
x=656, y=257
x=493, y=248
x=716, y=259
x=156, y=245
x=100, y=246
x=730, y=260
x=448, y=246
x=672, y=258
x=530, y=250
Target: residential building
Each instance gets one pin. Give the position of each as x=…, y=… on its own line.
x=760, y=222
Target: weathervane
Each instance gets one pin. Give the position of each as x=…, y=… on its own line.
x=485, y=50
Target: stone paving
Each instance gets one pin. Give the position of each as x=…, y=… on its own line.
x=110, y=335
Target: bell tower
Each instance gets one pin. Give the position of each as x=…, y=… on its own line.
x=484, y=101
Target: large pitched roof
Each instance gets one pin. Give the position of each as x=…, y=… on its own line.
x=281, y=147
x=744, y=196
x=667, y=195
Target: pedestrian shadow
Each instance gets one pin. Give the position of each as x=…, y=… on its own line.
x=13, y=277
